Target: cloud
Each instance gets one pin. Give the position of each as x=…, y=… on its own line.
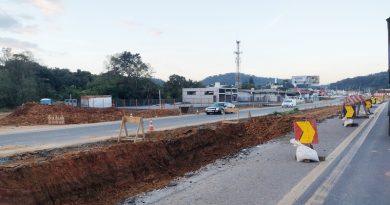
x=30, y=29
x=48, y=7
x=17, y=45
x=135, y=26
x=274, y=21
x=155, y=32
x=26, y=17
x=7, y=22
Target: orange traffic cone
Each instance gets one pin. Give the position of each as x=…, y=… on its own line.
x=151, y=127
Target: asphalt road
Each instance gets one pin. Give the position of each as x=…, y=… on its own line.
x=13, y=141
x=362, y=176
x=356, y=171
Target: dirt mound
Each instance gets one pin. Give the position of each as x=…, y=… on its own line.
x=109, y=172
x=36, y=114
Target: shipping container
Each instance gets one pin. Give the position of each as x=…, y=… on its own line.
x=96, y=101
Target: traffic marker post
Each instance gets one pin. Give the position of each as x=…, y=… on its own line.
x=373, y=100
x=349, y=111
x=151, y=127
x=306, y=133
x=367, y=106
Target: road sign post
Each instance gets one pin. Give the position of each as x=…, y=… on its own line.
x=368, y=105
x=307, y=134
x=349, y=111
x=306, y=131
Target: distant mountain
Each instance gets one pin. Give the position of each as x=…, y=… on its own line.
x=158, y=82
x=229, y=79
x=373, y=81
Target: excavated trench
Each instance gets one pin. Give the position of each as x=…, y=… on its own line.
x=108, y=172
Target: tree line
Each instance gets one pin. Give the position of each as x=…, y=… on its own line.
x=23, y=79
x=373, y=82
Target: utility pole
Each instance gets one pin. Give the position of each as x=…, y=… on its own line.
x=159, y=99
x=388, y=46
x=238, y=60
x=388, y=70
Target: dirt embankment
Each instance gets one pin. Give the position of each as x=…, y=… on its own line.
x=109, y=172
x=36, y=114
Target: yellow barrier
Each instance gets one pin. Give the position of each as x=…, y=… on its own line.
x=136, y=120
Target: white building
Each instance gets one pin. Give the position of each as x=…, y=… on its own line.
x=207, y=96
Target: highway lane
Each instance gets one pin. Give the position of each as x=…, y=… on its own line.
x=365, y=179
x=267, y=173
x=262, y=174
x=41, y=138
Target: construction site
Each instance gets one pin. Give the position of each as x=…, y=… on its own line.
x=108, y=172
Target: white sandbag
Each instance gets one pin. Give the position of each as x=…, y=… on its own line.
x=303, y=152
x=348, y=122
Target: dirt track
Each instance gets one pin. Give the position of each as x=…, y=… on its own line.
x=4, y=114
x=36, y=114
x=108, y=172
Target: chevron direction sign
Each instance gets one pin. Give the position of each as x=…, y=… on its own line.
x=306, y=131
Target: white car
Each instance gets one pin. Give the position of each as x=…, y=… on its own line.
x=289, y=102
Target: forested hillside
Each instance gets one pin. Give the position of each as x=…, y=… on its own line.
x=229, y=79
x=373, y=81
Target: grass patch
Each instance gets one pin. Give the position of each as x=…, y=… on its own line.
x=290, y=112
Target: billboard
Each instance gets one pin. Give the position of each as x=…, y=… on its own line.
x=305, y=80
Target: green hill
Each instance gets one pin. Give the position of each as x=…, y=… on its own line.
x=229, y=79
x=373, y=81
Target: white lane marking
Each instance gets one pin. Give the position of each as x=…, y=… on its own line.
x=323, y=190
x=304, y=184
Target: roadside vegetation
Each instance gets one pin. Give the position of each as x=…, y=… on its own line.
x=290, y=112
x=24, y=79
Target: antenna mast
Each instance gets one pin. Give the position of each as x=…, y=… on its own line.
x=238, y=60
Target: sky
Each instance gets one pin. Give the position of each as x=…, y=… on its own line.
x=334, y=39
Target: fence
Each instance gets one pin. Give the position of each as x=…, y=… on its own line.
x=147, y=103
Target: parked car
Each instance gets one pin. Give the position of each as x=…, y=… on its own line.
x=218, y=107
x=289, y=102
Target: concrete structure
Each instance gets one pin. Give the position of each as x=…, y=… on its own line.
x=262, y=95
x=96, y=101
x=207, y=96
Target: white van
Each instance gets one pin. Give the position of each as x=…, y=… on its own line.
x=288, y=102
